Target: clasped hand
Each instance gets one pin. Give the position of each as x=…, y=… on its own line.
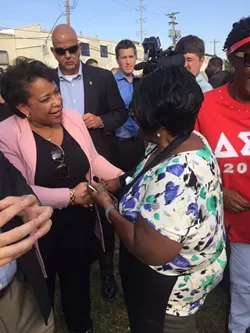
x=82, y=197
x=234, y=202
x=101, y=197
x=91, y=121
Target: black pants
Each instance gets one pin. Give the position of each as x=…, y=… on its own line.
x=68, y=250
x=129, y=153
x=146, y=294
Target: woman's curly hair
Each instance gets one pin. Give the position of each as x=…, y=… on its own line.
x=241, y=30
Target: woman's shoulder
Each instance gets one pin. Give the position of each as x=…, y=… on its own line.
x=10, y=125
x=196, y=165
x=73, y=119
x=11, y=129
x=70, y=114
x=187, y=159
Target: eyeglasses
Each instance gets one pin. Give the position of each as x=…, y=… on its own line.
x=61, y=51
x=58, y=156
x=244, y=56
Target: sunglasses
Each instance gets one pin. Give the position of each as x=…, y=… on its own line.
x=245, y=57
x=58, y=156
x=61, y=51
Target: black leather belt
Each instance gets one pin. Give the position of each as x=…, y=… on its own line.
x=134, y=138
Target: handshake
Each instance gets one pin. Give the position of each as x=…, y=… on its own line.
x=37, y=219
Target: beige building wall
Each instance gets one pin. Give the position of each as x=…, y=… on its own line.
x=34, y=42
x=7, y=43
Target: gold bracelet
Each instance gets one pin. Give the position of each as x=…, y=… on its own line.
x=72, y=197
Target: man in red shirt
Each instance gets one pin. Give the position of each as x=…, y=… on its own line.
x=225, y=121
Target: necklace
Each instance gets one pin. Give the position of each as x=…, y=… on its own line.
x=48, y=138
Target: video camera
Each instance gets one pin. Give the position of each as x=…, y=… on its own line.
x=155, y=57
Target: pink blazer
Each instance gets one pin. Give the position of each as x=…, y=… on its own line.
x=18, y=145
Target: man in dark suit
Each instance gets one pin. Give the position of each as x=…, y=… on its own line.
x=93, y=92
x=215, y=73
x=5, y=111
x=24, y=301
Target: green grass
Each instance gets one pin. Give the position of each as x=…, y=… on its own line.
x=110, y=316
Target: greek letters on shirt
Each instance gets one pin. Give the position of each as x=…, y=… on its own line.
x=226, y=150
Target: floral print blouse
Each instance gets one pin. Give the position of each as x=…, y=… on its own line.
x=182, y=199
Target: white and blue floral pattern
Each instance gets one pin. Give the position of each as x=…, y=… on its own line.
x=182, y=199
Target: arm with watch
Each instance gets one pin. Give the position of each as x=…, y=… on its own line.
x=145, y=243
x=140, y=238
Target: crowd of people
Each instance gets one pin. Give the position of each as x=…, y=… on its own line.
x=86, y=152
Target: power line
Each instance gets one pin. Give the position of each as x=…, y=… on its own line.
x=141, y=8
x=47, y=38
x=69, y=8
x=75, y=3
x=59, y=5
x=174, y=34
x=215, y=42
x=129, y=7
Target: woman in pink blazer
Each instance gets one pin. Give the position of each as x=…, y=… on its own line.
x=53, y=150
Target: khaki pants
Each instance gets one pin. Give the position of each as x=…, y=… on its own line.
x=19, y=311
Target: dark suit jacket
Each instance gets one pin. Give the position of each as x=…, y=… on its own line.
x=217, y=79
x=12, y=183
x=103, y=99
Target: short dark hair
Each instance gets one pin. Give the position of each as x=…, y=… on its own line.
x=169, y=97
x=240, y=30
x=17, y=78
x=91, y=61
x=216, y=61
x=124, y=45
x=191, y=44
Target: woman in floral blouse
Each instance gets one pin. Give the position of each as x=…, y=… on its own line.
x=170, y=216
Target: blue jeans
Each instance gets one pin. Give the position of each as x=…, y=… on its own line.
x=239, y=318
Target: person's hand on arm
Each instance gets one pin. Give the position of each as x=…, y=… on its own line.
x=37, y=223
x=234, y=202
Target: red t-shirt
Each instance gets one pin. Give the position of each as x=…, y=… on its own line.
x=226, y=125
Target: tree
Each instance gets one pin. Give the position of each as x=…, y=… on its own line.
x=228, y=66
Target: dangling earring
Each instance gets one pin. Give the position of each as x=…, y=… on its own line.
x=158, y=134
x=28, y=115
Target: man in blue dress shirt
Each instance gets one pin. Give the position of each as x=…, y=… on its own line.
x=130, y=148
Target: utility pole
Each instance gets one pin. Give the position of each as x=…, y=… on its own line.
x=215, y=42
x=174, y=34
x=141, y=8
x=67, y=7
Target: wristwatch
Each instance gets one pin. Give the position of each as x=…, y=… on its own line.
x=108, y=210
